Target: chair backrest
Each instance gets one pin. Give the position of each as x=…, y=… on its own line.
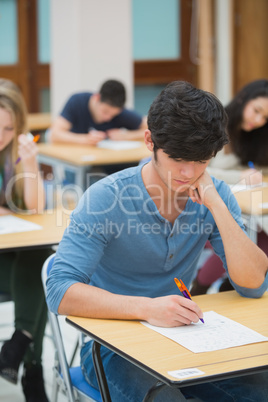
x=74, y=384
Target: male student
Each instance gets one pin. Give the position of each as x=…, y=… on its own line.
x=88, y=118
x=136, y=230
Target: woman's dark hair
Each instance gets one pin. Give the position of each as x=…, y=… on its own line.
x=187, y=123
x=248, y=145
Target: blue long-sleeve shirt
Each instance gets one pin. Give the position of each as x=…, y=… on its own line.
x=118, y=241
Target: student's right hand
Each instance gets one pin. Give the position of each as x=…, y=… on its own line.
x=27, y=150
x=172, y=311
x=94, y=136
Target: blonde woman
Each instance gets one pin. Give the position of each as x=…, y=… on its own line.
x=21, y=189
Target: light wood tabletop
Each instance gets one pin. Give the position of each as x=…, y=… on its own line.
x=158, y=355
x=39, y=121
x=253, y=201
x=53, y=224
x=81, y=159
x=81, y=155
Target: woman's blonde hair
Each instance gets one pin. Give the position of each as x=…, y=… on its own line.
x=12, y=101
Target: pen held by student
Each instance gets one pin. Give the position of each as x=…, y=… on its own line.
x=35, y=139
x=185, y=292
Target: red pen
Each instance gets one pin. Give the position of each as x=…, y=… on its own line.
x=185, y=292
x=35, y=139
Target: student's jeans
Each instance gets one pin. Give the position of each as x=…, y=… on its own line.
x=128, y=383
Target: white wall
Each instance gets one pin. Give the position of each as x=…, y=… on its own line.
x=224, y=50
x=91, y=42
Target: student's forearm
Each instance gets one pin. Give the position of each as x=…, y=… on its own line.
x=62, y=136
x=247, y=263
x=167, y=311
x=89, y=301
x=34, y=193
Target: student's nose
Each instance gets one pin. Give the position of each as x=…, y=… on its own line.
x=187, y=170
x=107, y=116
x=259, y=120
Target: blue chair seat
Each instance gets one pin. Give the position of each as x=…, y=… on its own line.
x=79, y=382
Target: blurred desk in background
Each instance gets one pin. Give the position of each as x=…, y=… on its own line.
x=254, y=206
x=39, y=121
x=80, y=158
x=51, y=223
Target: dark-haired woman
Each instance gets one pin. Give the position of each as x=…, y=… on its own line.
x=248, y=133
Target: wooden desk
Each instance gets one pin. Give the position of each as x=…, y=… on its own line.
x=80, y=159
x=53, y=224
x=254, y=205
x=251, y=201
x=157, y=355
x=39, y=121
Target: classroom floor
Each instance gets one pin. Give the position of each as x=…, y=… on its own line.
x=13, y=393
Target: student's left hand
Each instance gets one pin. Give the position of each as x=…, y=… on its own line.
x=117, y=134
x=27, y=149
x=203, y=191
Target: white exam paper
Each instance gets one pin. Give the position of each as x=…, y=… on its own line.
x=264, y=205
x=118, y=145
x=245, y=187
x=12, y=224
x=217, y=333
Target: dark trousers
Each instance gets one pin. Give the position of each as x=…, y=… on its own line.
x=20, y=276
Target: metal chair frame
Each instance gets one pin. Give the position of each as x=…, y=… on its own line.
x=68, y=380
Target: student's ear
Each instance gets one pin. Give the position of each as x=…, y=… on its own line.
x=148, y=140
x=96, y=97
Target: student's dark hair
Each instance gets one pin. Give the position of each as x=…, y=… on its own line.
x=187, y=123
x=113, y=93
x=248, y=145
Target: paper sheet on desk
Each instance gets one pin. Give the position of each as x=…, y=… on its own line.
x=217, y=333
x=119, y=145
x=12, y=224
x=245, y=187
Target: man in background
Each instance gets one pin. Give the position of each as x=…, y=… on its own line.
x=88, y=118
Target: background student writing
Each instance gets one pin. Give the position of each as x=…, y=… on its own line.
x=87, y=118
x=20, y=271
